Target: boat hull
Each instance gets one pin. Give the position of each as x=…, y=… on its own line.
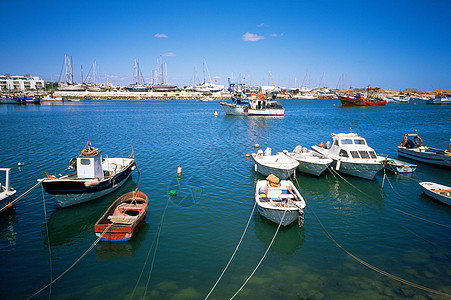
x=69, y=192
x=362, y=170
x=233, y=109
x=349, y=101
x=439, y=192
x=6, y=198
x=435, y=158
x=276, y=215
x=266, y=170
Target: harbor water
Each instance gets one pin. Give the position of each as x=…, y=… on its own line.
x=358, y=237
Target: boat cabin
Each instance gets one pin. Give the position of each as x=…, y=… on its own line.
x=350, y=145
x=90, y=165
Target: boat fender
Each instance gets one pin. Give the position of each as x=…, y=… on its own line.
x=91, y=183
x=337, y=167
x=418, y=141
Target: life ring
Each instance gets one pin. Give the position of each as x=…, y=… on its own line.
x=418, y=141
x=90, y=151
x=404, y=141
x=321, y=145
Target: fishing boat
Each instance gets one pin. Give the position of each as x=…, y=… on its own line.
x=397, y=166
x=310, y=161
x=94, y=177
x=279, y=201
x=280, y=164
x=360, y=100
x=440, y=99
x=123, y=218
x=437, y=191
x=29, y=99
x=304, y=96
x=351, y=155
x=51, y=98
x=6, y=191
x=412, y=147
x=401, y=98
x=5, y=99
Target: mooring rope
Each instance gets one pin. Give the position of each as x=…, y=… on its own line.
x=236, y=249
x=73, y=265
x=264, y=255
x=23, y=195
x=48, y=242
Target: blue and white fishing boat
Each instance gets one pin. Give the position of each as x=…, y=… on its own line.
x=279, y=201
x=94, y=177
x=281, y=165
x=6, y=191
x=412, y=147
x=440, y=99
x=9, y=100
x=397, y=166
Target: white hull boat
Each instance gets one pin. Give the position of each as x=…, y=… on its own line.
x=6, y=192
x=397, y=166
x=310, y=162
x=416, y=151
x=437, y=191
x=440, y=99
x=351, y=155
x=233, y=109
x=305, y=97
x=280, y=164
x=282, y=203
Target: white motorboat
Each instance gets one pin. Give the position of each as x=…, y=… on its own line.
x=280, y=164
x=94, y=177
x=310, y=161
x=351, y=155
x=412, y=147
x=401, y=98
x=437, y=191
x=279, y=202
x=6, y=191
x=302, y=96
x=440, y=99
x=50, y=98
x=397, y=166
x=233, y=109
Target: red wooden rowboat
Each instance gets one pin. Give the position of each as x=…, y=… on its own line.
x=123, y=218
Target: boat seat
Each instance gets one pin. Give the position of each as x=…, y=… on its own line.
x=122, y=219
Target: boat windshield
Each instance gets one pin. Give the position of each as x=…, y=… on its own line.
x=346, y=141
x=355, y=154
x=364, y=154
x=359, y=142
x=343, y=153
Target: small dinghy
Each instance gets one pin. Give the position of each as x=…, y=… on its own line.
x=437, y=191
x=397, y=166
x=280, y=164
x=123, y=218
x=279, y=201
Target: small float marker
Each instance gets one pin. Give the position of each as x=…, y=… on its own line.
x=216, y=113
x=247, y=155
x=256, y=145
x=20, y=164
x=179, y=170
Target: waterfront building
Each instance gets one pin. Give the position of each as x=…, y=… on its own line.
x=20, y=83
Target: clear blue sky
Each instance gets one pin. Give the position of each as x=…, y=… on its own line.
x=388, y=44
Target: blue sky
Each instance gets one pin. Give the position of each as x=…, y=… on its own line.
x=388, y=44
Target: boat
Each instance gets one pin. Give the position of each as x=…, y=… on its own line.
x=437, y=191
x=94, y=177
x=360, y=99
x=280, y=164
x=255, y=104
x=6, y=191
x=351, y=155
x=303, y=96
x=9, y=100
x=279, y=201
x=397, y=166
x=51, y=98
x=440, y=99
x=29, y=99
x=412, y=147
x=401, y=98
x=310, y=161
x=123, y=218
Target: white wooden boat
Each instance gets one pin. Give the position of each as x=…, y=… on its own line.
x=280, y=164
x=94, y=177
x=397, y=166
x=304, y=97
x=6, y=191
x=351, y=155
x=310, y=162
x=281, y=203
x=412, y=147
x=437, y=191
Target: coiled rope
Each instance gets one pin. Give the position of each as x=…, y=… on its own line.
x=261, y=260
x=382, y=272
x=233, y=255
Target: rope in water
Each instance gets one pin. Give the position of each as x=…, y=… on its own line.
x=48, y=242
x=382, y=272
x=233, y=255
x=264, y=255
x=23, y=195
x=73, y=265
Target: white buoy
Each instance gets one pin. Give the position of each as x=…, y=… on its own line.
x=179, y=170
x=256, y=145
x=20, y=164
x=216, y=113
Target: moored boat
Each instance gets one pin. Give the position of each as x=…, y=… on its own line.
x=310, y=161
x=397, y=166
x=6, y=191
x=440, y=99
x=279, y=201
x=351, y=155
x=5, y=99
x=94, y=177
x=412, y=147
x=360, y=100
x=123, y=218
x=280, y=164
x=437, y=191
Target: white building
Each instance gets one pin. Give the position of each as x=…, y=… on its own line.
x=20, y=83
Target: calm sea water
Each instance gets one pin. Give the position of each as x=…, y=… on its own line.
x=188, y=239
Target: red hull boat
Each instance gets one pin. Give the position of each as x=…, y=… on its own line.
x=360, y=100
x=123, y=218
